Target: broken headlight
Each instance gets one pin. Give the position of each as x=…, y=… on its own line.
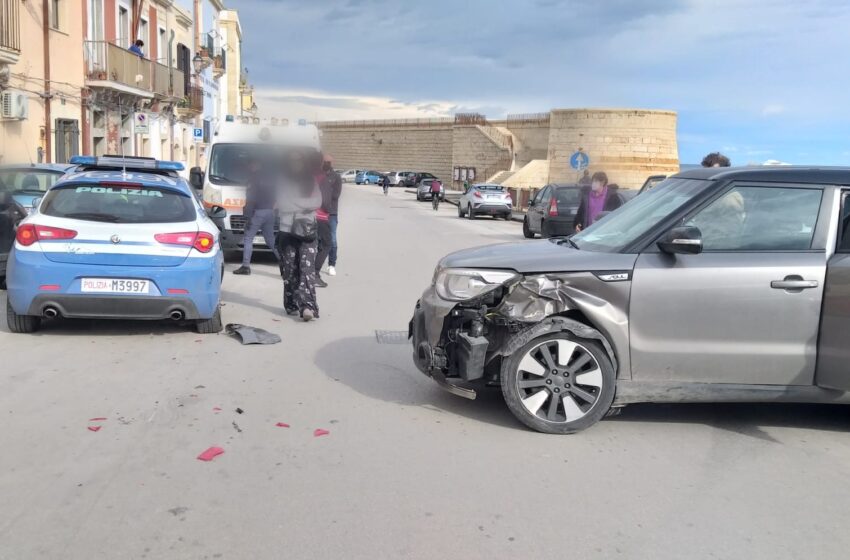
x=463, y=284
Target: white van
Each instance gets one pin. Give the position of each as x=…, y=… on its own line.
x=223, y=179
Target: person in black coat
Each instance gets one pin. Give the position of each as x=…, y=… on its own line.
x=599, y=197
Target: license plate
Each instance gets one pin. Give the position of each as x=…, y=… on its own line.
x=114, y=286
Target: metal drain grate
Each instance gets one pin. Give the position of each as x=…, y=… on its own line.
x=391, y=337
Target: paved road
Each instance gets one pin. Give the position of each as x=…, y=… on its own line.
x=407, y=471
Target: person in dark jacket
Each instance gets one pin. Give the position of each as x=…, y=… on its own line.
x=331, y=187
x=259, y=213
x=599, y=197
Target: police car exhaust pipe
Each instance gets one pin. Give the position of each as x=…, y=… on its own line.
x=51, y=312
x=176, y=315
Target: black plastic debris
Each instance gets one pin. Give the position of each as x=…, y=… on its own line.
x=251, y=335
x=239, y=411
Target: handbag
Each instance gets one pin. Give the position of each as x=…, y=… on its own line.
x=304, y=227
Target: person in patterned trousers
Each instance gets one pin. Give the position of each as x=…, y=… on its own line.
x=298, y=268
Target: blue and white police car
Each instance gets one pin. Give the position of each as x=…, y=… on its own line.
x=117, y=238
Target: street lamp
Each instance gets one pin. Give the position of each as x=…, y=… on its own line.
x=198, y=63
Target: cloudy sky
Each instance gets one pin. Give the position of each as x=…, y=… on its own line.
x=757, y=79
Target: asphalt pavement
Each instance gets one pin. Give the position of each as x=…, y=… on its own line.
x=406, y=470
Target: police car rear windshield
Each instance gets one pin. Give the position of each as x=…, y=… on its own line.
x=120, y=204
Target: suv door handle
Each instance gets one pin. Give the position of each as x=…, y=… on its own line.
x=794, y=284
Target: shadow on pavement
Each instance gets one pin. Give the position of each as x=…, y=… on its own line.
x=386, y=372
x=748, y=419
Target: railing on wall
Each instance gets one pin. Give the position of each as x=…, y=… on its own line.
x=193, y=99
x=386, y=122
x=527, y=118
x=108, y=62
x=168, y=82
x=10, y=25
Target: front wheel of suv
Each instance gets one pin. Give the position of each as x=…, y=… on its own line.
x=559, y=383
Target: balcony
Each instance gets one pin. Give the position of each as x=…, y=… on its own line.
x=109, y=66
x=168, y=83
x=10, y=31
x=220, y=63
x=192, y=103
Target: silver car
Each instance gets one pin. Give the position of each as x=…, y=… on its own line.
x=718, y=285
x=397, y=177
x=485, y=200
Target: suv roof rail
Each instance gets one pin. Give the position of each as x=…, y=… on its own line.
x=126, y=162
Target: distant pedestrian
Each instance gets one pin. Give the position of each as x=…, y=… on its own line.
x=259, y=212
x=716, y=159
x=436, y=188
x=599, y=197
x=334, y=186
x=585, y=179
x=298, y=201
x=385, y=184
x=136, y=48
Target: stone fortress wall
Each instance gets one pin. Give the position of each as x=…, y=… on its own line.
x=628, y=144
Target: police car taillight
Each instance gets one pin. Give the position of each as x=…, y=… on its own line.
x=202, y=241
x=28, y=234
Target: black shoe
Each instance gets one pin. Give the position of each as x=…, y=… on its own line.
x=246, y=270
x=320, y=283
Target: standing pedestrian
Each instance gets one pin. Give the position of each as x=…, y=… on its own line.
x=331, y=187
x=323, y=231
x=597, y=198
x=259, y=212
x=298, y=201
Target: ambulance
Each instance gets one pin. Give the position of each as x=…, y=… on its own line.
x=223, y=179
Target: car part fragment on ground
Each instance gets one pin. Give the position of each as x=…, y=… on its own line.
x=282, y=425
x=210, y=454
x=94, y=428
x=252, y=335
x=320, y=432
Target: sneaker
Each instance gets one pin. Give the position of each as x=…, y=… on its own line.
x=320, y=283
x=331, y=271
x=307, y=315
x=246, y=270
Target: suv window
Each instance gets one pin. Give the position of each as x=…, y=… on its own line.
x=759, y=219
x=119, y=204
x=544, y=192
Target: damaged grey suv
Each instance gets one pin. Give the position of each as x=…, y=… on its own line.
x=719, y=285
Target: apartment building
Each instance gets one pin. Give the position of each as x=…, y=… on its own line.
x=41, y=80
x=70, y=85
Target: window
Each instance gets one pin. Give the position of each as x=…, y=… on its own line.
x=123, y=38
x=144, y=34
x=844, y=226
x=759, y=219
x=163, y=53
x=56, y=14
x=568, y=197
x=117, y=204
x=538, y=198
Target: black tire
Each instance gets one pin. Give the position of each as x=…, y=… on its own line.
x=460, y=213
x=470, y=213
x=211, y=325
x=601, y=373
x=544, y=231
x=22, y=324
x=526, y=231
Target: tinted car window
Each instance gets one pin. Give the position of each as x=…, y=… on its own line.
x=118, y=204
x=759, y=219
x=27, y=180
x=568, y=197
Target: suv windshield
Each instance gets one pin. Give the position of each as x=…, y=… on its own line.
x=629, y=223
x=118, y=204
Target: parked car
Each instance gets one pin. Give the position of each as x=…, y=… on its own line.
x=720, y=285
x=368, y=178
x=122, y=238
x=485, y=199
x=350, y=176
x=413, y=178
x=423, y=190
x=28, y=182
x=552, y=211
x=397, y=177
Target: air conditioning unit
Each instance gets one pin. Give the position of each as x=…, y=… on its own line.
x=14, y=105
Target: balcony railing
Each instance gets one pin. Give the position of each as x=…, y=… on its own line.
x=10, y=30
x=193, y=101
x=168, y=82
x=111, y=63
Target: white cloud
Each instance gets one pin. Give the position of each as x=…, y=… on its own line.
x=772, y=109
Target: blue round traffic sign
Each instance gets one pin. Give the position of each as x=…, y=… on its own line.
x=579, y=161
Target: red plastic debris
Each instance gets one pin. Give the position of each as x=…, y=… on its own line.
x=320, y=432
x=210, y=454
x=96, y=419
x=216, y=409
x=94, y=428
x=282, y=425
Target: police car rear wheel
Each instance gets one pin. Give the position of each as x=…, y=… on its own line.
x=211, y=325
x=21, y=323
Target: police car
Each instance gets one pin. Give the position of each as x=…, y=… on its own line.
x=117, y=238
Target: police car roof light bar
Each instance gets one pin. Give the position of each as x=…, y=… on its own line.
x=138, y=163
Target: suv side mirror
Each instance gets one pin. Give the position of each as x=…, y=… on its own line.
x=217, y=212
x=196, y=178
x=684, y=240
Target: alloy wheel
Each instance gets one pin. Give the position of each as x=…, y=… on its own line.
x=559, y=381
